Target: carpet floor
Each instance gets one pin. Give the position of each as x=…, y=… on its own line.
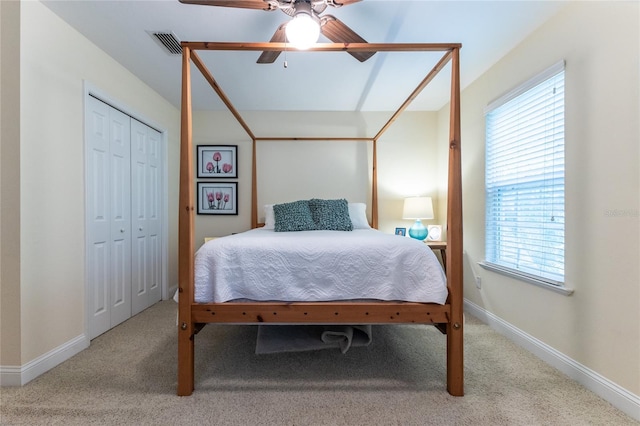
x=128, y=377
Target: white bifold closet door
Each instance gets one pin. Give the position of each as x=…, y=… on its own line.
x=123, y=216
x=145, y=216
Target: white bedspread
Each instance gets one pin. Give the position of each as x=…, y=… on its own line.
x=315, y=266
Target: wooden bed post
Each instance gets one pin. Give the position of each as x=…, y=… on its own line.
x=254, y=187
x=374, y=187
x=455, y=353
x=186, y=238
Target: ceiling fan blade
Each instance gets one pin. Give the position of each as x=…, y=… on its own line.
x=345, y=2
x=269, y=57
x=244, y=4
x=336, y=31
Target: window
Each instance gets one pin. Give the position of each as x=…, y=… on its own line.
x=524, y=180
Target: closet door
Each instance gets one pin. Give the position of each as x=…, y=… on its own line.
x=145, y=196
x=154, y=218
x=108, y=216
x=120, y=135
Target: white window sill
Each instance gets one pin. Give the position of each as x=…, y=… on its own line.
x=538, y=282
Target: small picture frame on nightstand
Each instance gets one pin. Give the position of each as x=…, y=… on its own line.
x=401, y=231
x=435, y=233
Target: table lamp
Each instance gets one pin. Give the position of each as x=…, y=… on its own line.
x=418, y=208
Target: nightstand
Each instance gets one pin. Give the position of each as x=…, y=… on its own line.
x=440, y=246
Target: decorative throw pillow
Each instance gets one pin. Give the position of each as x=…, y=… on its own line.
x=358, y=215
x=269, y=218
x=331, y=215
x=294, y=216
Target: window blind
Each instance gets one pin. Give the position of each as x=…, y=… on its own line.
x=524, y=179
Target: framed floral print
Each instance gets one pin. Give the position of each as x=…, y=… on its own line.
x=218, y=198
x=217, y=161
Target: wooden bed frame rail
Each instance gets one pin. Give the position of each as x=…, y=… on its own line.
x=324, y=312
x=192, y=316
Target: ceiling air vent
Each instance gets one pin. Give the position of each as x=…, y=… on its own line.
x=169, y=41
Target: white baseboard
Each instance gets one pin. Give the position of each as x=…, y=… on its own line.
x=616, y=395
x=21, y=375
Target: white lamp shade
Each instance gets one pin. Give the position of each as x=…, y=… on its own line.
x=418, y=208
x=302, y=31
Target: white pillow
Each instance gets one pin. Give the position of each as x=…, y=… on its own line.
x=358, y=216
x=269, y=217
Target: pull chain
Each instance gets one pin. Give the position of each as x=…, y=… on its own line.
x=285, y=55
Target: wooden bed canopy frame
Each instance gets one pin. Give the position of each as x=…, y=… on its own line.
x=192, y=316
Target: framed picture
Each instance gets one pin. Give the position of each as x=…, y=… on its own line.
x=401, y=231
x=435, y=233
x=218, y=198
x=217, y=161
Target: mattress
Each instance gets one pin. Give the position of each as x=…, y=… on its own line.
x=316, y=266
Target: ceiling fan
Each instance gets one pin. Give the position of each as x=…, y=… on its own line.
x=303, y=12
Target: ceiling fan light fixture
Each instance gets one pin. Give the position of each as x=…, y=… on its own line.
x=303, y=30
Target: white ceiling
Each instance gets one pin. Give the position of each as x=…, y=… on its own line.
x=312, y=81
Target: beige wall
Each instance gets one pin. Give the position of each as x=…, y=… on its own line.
x=406, y=162
x=599, y=325
x=51, y=175
x=9, y=189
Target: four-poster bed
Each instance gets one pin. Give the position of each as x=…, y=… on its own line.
x=447, y=317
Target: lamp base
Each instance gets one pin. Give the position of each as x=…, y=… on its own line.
x=418, y=231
